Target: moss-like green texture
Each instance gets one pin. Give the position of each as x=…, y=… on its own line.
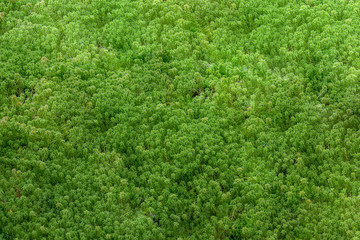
x=176, y=119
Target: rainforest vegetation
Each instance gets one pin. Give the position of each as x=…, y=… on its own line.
x=179, y=119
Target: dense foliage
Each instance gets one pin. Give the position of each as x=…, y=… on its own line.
x=177, y=119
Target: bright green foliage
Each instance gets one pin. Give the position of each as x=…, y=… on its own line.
x=179, y=119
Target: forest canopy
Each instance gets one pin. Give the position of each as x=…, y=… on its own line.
x=179, y=119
